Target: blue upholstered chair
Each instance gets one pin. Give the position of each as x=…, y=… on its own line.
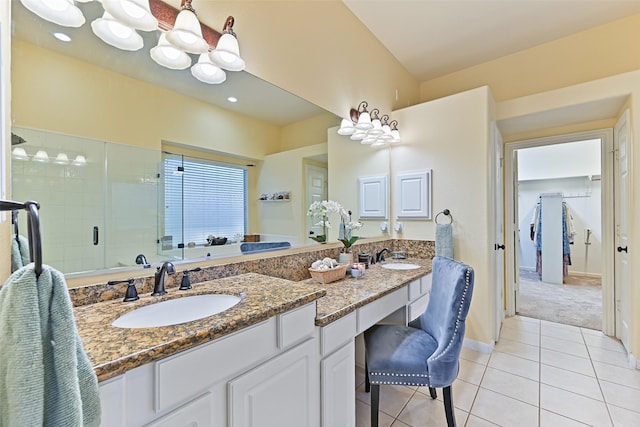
x=426, y=352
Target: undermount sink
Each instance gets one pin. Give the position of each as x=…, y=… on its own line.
x=176, y=311
x=400, y=266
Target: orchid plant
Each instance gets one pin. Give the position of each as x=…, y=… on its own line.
x=322, y=210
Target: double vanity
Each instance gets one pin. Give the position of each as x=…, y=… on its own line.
x=283, y=353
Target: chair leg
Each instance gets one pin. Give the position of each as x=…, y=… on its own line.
x=367, y=383
x=432, y=392
x=448, y=407
x=375, y=402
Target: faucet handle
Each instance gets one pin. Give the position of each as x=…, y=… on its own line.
x=131, y=294
x=186, y=281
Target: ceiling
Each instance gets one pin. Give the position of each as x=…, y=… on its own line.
x=432, y=38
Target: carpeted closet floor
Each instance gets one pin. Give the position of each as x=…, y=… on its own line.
x=577, y=302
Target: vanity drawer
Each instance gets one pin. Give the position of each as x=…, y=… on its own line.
x=415, y=289
x=417, y=307
x=337, y=333
x=296, y=325
x=425, y=284
x=180, y=377
x=377, y=310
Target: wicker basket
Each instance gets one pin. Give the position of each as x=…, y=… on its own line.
x=328, y=276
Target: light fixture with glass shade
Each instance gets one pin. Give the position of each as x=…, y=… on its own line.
x=19, y=153
x=80, y=160
x=61, y=12
x=369, y=128
x=61, y=159
x=41, y=156
x=116, y=34
x=227, y=52
x=208, y=72
x=133, y=13
x=186, y=33
x=364, y=118
x=169, y=56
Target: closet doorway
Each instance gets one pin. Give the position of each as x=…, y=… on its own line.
x=559, y=267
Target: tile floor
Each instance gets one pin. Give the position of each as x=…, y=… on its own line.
x=539, y=374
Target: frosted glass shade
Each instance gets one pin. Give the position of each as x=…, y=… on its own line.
x=187, y=33
x=376, y=128
x=116, y=34
x=364, y=121
x=227, y=54
x=61, y=12
x=133, y=13
x=346, y=127
x=208, y=72
x=169, y=56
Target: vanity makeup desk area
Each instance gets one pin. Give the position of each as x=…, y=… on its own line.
x=284, y=355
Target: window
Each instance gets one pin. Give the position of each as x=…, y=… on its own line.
x=203, y=198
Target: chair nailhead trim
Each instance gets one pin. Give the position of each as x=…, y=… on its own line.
x=397, y=383
x=400, y=375
x=455, y=331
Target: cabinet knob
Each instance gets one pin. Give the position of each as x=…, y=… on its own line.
x=621, y=249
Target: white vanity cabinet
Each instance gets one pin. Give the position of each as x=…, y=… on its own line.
x=202, y=386
x=419, y=291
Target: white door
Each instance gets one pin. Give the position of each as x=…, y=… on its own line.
x=513, y=253
x=316, y=192
x=621, y=218
x=498, y=218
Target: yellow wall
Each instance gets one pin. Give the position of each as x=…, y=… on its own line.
x=5, y=129
x=592, y=54
x=58, y=93
x=307, y=132
x=450, y=136
x=285, y=172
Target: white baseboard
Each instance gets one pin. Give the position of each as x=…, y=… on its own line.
x=481, y=347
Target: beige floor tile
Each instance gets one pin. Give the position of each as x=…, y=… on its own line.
x=571, y=381
x=474, y=421
x=503, y=410
x=564, y=346
x=511, y=385
x=398, y=423
x=622, y=396
x=523, y=323
x=615, y=374
x=519, y=335
x=587, y=331
x=526, y=351
x=392, y=398
x=609, y=357
x=624, y=417
x=474, y=356
x=574, y=406
x=549, y=419
x=567, y=361
x=422, y=411
x=463, y=394
x=515, y=365
x=363, y=416
x=603, y=341
x=471, y=372
x=563, y=332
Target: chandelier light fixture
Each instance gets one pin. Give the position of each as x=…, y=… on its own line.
x=369, y=128
x=181, y=36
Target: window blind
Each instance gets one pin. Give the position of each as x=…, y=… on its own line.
x=203, y=198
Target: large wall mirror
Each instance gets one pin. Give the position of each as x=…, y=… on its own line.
x=111, y=126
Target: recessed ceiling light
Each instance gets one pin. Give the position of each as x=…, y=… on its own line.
x=232, y=99
x=62, y=37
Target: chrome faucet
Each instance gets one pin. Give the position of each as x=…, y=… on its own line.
x=380, y=255
x=158, y=287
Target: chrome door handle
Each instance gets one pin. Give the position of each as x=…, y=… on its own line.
x=620, y=249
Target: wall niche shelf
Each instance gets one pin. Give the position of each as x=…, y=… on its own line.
x=279, y=196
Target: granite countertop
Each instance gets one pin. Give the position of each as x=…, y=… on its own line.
x=113, y=351
x=348, y=294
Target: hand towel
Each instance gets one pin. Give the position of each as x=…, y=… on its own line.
x=444, y=240
x=19, y=253
x=46, y=378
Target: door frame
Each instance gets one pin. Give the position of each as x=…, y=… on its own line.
x=607, y=207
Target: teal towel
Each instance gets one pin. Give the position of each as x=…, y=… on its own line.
x=19, y=253
x=46, y=378
x=444, y=240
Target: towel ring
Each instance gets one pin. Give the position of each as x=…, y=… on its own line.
x=446, y=212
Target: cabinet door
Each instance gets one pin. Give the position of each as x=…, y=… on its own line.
x=195, y=414
x=338, y=388
x=280, y=393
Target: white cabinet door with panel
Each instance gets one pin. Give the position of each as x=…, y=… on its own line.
x=280, y=393
x=338, y=388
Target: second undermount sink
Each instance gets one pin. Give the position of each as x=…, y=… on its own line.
x=176, y=311
x=400, y=266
